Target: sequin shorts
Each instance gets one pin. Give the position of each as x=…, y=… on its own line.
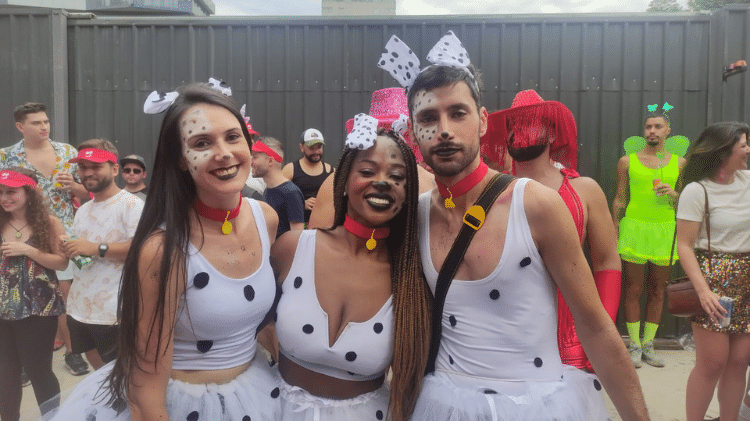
x=730, y=277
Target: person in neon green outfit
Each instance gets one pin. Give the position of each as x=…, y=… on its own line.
x=644, y=212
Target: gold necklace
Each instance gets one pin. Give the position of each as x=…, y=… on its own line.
x=18, y=231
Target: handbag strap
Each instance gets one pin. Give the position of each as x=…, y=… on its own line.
x=471, y=225
x=707, y=217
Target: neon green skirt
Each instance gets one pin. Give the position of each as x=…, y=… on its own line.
x=644, y=241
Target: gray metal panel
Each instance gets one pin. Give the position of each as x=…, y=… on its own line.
x=26, y=67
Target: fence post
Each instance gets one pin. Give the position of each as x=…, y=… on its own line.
x=60, y=76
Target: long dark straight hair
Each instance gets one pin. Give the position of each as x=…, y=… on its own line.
x=168, y=206
x=411, y=295
x=707, y=154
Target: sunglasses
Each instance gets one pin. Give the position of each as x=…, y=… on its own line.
x=133, y=170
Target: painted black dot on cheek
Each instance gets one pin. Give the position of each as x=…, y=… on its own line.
x=351, y=356
x=308, y=328
x=379, y=414
x=597, y=385
x=193, y=416
x=453, y=321
x=297, y=282
x=249, y=292
x=538, y=362
x=195, y=168
x=275, y=393
x=201, y=280
x=205, y=346
x=494, y=294
x=525, y=261
x=378, y=327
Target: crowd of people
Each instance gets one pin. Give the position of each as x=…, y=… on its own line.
x=454, y=265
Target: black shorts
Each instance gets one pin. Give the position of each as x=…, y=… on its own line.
x=85, y=337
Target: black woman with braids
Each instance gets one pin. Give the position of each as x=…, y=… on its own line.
x=354, y=301
x=197, y=281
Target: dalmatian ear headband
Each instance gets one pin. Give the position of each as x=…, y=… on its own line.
x=363, y=133
x=401, y=62
x=400, y=126
x=158, y=102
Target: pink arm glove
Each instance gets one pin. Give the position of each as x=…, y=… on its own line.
x=608, y=284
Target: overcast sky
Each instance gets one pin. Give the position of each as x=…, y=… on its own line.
x=438, y=7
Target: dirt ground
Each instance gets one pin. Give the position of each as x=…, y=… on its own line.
x=664, y=388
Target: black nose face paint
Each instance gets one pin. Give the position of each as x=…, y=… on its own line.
x=444, y=135
x=382, y=185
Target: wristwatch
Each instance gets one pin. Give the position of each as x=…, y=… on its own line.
x=103, y=247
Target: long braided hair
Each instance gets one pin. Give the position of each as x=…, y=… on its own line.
x=37, y=215
x=411, y=296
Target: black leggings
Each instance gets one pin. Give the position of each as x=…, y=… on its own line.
x=27, y=343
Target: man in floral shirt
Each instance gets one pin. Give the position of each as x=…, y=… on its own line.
x=57, y=179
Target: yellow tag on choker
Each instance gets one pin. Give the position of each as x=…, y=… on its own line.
x=449, y=201
x=371, y=243
x=226, y=227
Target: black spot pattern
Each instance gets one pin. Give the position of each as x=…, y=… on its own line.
x=525, y=261
x=379, y=414
x=494, y=294
x=193, y=416
x=597, y=385
x=351, y=356
x=452, y=320
x=489, y=392
x=205, y=346
x=538, y=362
x=246, y=418
x=450, y=359
x=249, y=292
x=91, y=416
x=378, y=327
x=201, y=280
x=275, y=393
x=298, y=282
x=308, y=328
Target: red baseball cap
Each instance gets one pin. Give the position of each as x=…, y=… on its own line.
x=94, y=155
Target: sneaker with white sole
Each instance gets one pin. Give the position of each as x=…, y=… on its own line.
x=636, y=353
x=75, y=365
x=649, y=355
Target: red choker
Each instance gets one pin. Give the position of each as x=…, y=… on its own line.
x=218, y=214
x=462, y=187
x=363, y=232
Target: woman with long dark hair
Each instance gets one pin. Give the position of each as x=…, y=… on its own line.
x=30, y=297
x=197, y=282
x=354, y=301
x=716, y=176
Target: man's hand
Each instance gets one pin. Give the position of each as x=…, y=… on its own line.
x=66, y=180
x=79, y=247
x=309, y=204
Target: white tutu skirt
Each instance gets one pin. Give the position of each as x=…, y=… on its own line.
x=450, y=397
x=299, y=405
x=253, y=395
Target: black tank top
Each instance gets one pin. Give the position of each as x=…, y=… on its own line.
x=309, y=184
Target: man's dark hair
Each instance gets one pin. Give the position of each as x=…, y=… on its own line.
x=657, y=114
x=22, y=111
x=436, y=76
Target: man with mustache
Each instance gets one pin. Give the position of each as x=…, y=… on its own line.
x=532, y=131
x=309, y=172
x=498, y=357
x=643, y=212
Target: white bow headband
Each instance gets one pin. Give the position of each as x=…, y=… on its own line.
x=364, y=132
x=158, y=102
x=401, y=62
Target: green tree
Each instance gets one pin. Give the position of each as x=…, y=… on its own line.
x=664, y=6
x=712, y=4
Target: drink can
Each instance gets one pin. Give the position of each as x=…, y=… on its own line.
x=728, y=304
x=80, y=261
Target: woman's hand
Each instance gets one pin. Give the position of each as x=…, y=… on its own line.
x=16, y=248
x=710, y=304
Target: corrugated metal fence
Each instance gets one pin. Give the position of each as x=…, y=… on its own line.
x=315, y=72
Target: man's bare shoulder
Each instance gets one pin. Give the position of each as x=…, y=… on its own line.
x=587, y=188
